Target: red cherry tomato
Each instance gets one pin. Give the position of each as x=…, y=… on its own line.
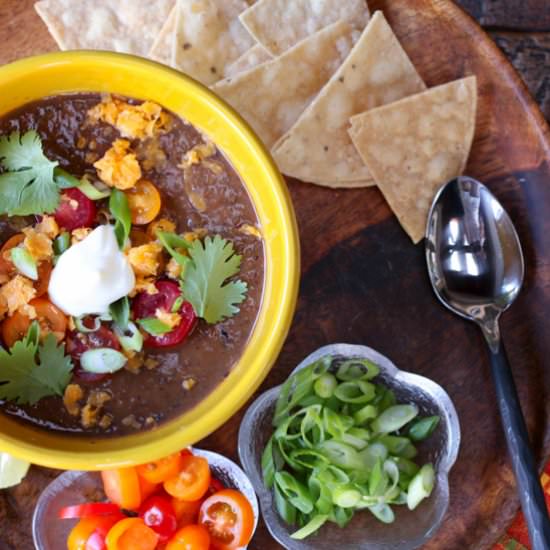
x=75, y=210
x=145, y=305
x=89, y=509
x=158, y=514
x=215, y=487
x=79, y=342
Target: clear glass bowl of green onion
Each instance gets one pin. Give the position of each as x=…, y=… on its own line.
x=351, y=453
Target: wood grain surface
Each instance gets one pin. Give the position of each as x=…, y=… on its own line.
x=363, y=282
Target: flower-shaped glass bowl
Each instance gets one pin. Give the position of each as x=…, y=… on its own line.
x=410, y=529
x=74, y=487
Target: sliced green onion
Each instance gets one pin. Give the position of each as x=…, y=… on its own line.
x=407, y=466
x=325, y=385
x=336, y=424
x=385, y=399
x=358, y=443
x=394, y=418
x=373, y=453
x=358, y=391
x=342, y=455
x=176, y=306
x=341, y=516
x=309, y=458
x=61, y=243
x=131, y=338
x=120, y=209
x=396, y=445
x=346, y=496
x=421, y=486
x=172, y=242
x=378, y=480
x=120, y=312
x=357, y=369
x=311, y=527
x=102, y=360
x=268, y=464
x=91, y=191
x=63, y=179
x=368, y=412
x=81, y=327
x=383, y=512
x=286, y=510
x=423, y=428
x=154, y=326
x=295, y=492
x=24, y=262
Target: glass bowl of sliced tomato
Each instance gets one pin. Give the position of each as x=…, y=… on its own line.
x=190, y=500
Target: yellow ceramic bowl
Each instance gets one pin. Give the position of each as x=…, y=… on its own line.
x=59, y=73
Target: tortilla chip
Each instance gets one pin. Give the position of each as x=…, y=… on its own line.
x=417, y=144
x=161, y=50
x=129, y=26
x=376, y=72
x=357, y=184
x=209, y=37
x=252, y=58
x=279, y=24
x=273, y=95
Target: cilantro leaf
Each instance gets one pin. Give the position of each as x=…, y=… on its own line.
x=203, y=286
x=172, y=242
x=28, y=185
x=23, y=380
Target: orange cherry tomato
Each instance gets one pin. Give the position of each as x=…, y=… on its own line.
x=144, y=202
x=160, y=470
x=187, y=512
x=190, y=537
x=85, y=528
x=191, y=483
x=50, y=318
x=131, y=534
x=146, y=488
x=121, y=486
x=7, y=268
x=229, y=518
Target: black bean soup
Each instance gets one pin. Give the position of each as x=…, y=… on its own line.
x=207, y=196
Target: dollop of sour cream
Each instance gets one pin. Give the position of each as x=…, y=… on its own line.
x=91, y=275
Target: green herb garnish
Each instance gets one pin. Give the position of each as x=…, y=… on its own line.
x=28, y=185
x=339, y=447
x=24, y=262
x=120, y=312
x=61, y=243
x=154, y=326
x=172, y=243
x=204, y=283
x=29, y=371
x=120, y=209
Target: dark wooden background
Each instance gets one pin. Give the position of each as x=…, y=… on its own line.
x=521, y=28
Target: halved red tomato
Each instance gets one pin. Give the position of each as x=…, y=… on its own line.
x=145, y=305
x=75, y=210
x=229, y=518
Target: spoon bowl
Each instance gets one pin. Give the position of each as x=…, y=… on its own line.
x=476, y=269
x=473, y=253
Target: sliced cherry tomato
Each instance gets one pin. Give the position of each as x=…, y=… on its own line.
x=91, y=531
x=158, y=514
x=50, y=318
x=121, y=486
x=187, y=512
x=190, y=537
x=7, y=268
x=89, y=509
x=229, y=518
x=160, y=470
x=145, y=305
x=131, y=534
x=147, y=488
x=75, y=210
x=144, y=202
x=78, y=343
x=192, y=481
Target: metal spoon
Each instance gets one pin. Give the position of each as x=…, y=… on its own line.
x=476, y=269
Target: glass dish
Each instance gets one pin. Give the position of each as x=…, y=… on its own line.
x=73, y=487
x=410, y=529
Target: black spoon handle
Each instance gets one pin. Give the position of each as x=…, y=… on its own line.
x=523, y=463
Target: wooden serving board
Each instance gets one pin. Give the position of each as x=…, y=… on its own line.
x=364, y=282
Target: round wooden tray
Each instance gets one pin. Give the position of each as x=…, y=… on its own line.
x=364, y=282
